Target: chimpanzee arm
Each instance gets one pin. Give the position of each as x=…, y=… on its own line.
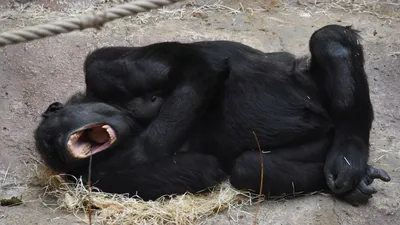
x=185, y=105
x=172, y=175
x=186, y=76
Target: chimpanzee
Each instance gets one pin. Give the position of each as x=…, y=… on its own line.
x=211, y=103
x=70, y=133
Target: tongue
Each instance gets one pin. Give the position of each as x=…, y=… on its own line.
x=98, y=135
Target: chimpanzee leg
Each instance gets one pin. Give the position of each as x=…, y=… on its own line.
x=297, y=169
x=337, y=64
x=286, y=170
x=183, y=172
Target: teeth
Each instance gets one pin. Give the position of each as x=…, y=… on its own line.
x=75, y=136
x=110, y=132
x=112, y=140
x=86, y=150
x=70, y=145
x=70, y=148
x=73, y=142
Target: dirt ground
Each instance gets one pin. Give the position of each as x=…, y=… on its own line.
x=34, y=74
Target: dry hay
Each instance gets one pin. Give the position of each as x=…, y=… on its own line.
x=121, y=209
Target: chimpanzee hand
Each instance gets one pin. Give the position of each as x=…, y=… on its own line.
x=346, y=164
x=364, y=190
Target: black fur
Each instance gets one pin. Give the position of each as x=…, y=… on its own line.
x=115, y=169
x=312, y=118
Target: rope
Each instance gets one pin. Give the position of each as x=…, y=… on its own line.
x=91, y=20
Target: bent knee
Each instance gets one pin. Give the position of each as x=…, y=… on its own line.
x=334, y=32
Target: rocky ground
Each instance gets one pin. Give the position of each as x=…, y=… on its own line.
x=36, y=73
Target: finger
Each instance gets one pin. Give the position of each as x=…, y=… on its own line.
x=367, y=179
x=330, y=181
x=369, y=190
x=376, y=173
x=342, y=183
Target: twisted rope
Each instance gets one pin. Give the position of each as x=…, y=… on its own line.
x=91, y=20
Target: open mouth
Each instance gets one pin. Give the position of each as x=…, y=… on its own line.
x=90, y=140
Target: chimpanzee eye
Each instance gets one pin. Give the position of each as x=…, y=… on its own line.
x=153, y=98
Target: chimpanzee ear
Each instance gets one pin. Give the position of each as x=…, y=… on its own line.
x=53, y=107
